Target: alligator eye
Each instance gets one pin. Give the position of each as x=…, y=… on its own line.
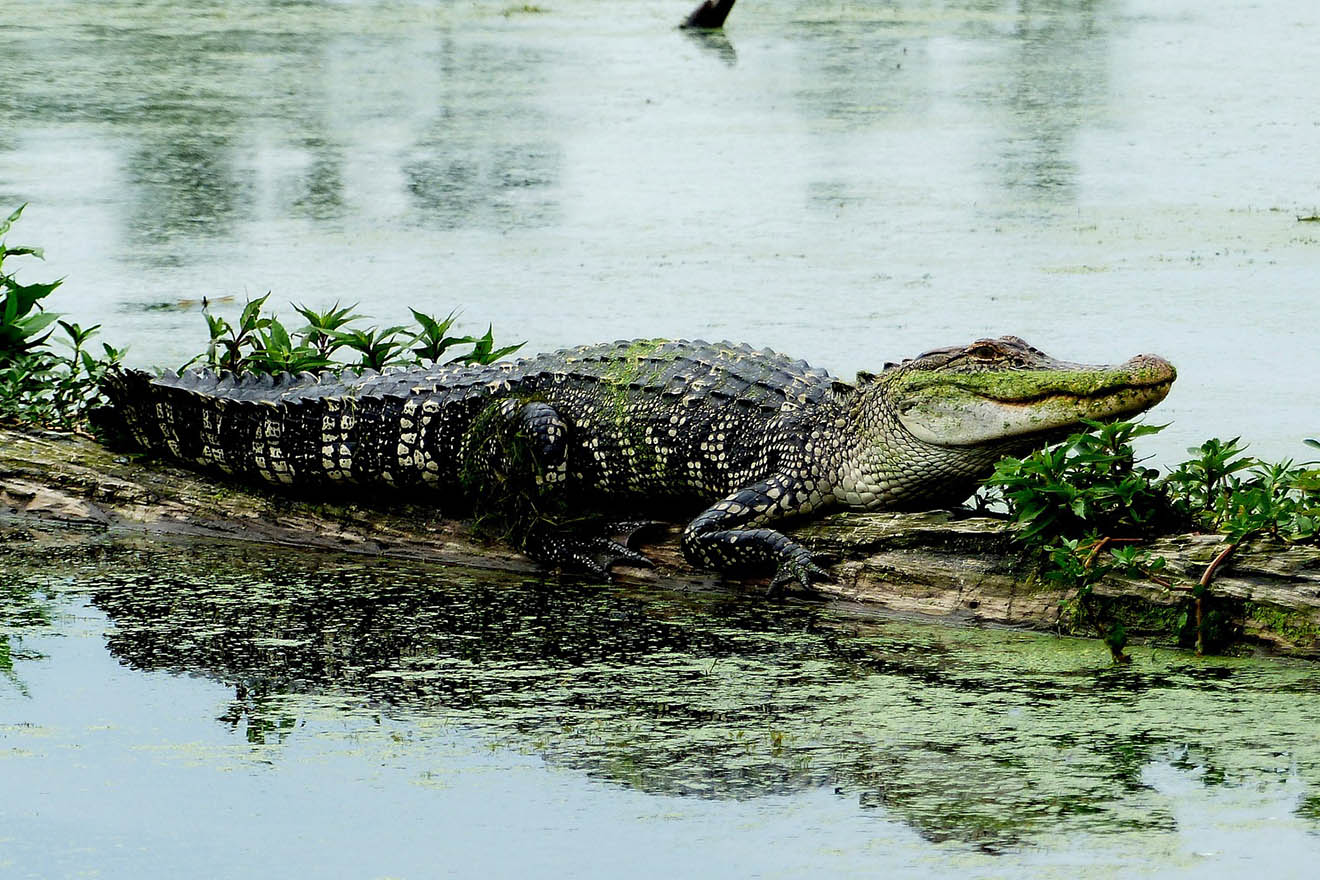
x=985, y=352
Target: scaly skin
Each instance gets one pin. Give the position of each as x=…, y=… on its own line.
x=752, y=436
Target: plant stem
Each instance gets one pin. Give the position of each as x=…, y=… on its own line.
x=1203, y=586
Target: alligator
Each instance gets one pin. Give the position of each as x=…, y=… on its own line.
x=746, y=437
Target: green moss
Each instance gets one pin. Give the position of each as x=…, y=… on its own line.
x=1300, y=627
x=1020, y=384
x=635, y=363
x=1162, y=624
x=627, y=366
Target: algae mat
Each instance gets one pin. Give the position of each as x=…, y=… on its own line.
x=441, y=712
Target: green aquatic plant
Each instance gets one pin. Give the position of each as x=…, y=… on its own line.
x=49, y=376
x=1080, y=502
x=1090, y=481
x=483, y=349
x=320, y=326
x=1275, y=500
x=41, y=384
x=1086, y=507
x=24, y=323
x=259, y=342
x=378, y=348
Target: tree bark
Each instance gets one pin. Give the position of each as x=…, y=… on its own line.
x=939, y=564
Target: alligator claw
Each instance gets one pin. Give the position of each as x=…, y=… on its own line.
x=618, y=553
x=800, y=568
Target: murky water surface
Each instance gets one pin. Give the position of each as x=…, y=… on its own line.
x=849, y=182
x=204, y=710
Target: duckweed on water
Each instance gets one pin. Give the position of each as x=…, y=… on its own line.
x=986, y=738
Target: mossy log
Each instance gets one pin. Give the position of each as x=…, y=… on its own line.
x=941, y=564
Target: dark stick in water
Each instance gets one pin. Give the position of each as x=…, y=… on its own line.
x=709, y=15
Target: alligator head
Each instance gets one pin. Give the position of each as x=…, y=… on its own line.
x=1005, y=392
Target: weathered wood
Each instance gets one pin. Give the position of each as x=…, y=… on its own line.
x=938, y=564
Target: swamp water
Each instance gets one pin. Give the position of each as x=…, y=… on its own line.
x=211, y=710
x=848, y=182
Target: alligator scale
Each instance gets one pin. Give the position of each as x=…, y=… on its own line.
x=749, y=435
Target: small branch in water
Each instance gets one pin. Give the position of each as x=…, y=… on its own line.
x=710, y=15
x=1113, y=636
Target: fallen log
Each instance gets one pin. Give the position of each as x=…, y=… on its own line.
x=946, y=565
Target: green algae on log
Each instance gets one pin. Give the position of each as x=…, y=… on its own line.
x=940, y=564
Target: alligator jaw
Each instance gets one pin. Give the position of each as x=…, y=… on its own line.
x=976, y=409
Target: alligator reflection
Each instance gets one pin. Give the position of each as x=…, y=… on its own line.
x=990, y=738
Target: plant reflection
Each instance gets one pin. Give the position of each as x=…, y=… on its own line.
x=992, y=739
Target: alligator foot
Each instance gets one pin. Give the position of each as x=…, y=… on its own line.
x=798, y=568
x=593, y=554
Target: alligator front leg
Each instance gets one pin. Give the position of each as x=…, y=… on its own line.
x=720, y=538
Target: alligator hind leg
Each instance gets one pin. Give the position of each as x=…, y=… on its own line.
x=514, y=446
x=595, y=554
x=515, y=465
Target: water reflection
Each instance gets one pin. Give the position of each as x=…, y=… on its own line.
x=318, y=192
x=224, y=121
x=486, y=157
x=221, y=121
x=716, y=43
x=185, y=185
x=1037, y=69
x=22, y=607
x=1050, y=81
x=857, y=73
x=990, y=739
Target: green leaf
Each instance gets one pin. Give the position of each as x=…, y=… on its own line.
x=506, y=350
x=431, y=327
x=251, y=311
x=33, y=324
x=25, y=296
x=277, y=337
x=12, y=218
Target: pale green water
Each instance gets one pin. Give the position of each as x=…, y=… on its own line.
x=252, y=713
x=849, y=182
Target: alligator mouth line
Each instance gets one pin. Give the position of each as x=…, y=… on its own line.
x=962, y=416
x=1161, y=387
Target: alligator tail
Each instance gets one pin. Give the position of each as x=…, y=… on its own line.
x=128, y=420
